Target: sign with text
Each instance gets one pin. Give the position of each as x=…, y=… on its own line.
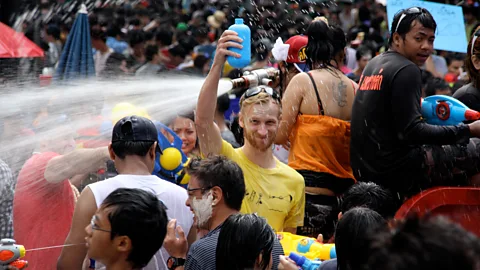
x=450, y=35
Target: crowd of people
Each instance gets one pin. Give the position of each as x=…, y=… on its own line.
x=330, y=151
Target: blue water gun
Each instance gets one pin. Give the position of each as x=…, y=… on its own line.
x=171, y=162
x=446, y=111
x=304, y=263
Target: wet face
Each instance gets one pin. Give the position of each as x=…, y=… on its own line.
x=455, y=67
x=417, y=45
x=200, y=203
x=260, y=123
x=99, y=244
x=185, y=129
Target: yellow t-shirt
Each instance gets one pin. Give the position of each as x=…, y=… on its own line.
x=276, y=194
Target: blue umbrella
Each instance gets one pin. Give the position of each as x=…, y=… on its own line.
x=76, y=61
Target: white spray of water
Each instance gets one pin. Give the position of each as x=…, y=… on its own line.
x=161, y=98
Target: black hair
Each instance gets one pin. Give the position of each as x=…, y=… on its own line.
x=98, y=34
x=178, y=50
x=454, y=57
x=242, y=239
x=54, y=31
x=319, y=48
x=219, y=171
x=369, y=195
x=362, y=51
x=428, y=242
x=149, y=35
x=114, y=31
x=200, y=60
x=164, y=36
x=150, y=52
x=425, y=18
x=223, y=103
x=136, y=37
x=435, y=84
x=135, y=22
x=142, y=217
x=339, y=40
x=129, y=148
x=351, y=236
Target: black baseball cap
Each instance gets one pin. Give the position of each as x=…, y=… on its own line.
x=135, y=129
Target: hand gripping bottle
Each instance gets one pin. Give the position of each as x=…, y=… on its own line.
x=243, y=32
x=304, y=263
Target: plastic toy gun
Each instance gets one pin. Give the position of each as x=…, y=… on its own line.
x=446, y=111
x=304, y=263
x=10, y=254
x=171, y=163
x=268, y=77
x=308, y=247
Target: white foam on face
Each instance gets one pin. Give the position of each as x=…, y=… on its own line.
x=203, y=209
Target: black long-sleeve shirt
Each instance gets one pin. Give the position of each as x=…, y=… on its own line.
x=387, y=125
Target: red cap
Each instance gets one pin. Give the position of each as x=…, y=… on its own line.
x=297, y=50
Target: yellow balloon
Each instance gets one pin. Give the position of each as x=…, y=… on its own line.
x=170, y=159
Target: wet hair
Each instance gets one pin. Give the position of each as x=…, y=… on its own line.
x=142, y=217
x=219, y=171
x=242, y=239
x=164, y=36
x=150, y=52
x=425, y=18
x=429, y=242
x=369, y=195
x=473, y=73
x=128, y=148
x=351, y=236
x=260, y=98
x=319, y=47
x=435, y=84
x=339, y=40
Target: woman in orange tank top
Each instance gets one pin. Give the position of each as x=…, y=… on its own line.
x=315, y=120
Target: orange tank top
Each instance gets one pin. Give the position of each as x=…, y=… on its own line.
x=321, y=144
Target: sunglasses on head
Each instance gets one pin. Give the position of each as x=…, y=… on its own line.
x=409, y=11
x=475, y=36
x=257, y=90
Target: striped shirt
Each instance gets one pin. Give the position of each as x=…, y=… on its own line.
x=201, y=255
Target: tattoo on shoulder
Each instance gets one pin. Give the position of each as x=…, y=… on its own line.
x=340, y=94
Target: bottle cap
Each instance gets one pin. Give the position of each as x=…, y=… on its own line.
x=299, y=260
x=238, y=21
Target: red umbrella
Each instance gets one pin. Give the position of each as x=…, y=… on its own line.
x=16, y=45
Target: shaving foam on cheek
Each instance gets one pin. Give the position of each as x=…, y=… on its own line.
x=203, y=208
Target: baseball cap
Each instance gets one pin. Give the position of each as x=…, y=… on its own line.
x=135, y=129
x=297, y=52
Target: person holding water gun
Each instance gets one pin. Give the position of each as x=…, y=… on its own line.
x=391, y=143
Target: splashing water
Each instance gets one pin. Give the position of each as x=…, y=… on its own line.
x=21, y=108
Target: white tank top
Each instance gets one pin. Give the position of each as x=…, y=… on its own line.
x=173, y=196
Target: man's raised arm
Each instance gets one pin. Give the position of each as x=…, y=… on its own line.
x=208, y=133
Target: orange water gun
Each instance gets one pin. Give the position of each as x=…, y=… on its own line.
x=10, y=254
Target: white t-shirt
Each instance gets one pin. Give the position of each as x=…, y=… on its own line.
x=171, y=195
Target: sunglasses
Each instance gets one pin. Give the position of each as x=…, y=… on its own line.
x=475, y=36
x=257, y=90
x=410, y=11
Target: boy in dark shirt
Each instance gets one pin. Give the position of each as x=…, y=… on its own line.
x=391, y=144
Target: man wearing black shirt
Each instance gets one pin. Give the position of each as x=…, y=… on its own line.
x=391, y=144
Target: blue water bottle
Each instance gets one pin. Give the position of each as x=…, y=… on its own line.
x=243, y=32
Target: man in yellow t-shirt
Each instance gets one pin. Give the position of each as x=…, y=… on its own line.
x=273, y=190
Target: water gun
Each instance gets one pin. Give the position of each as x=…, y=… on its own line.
x=304, y=263
x=171, y=162
x=10, y=254
x=446, y=111
x=306, y=246
x=267, y=76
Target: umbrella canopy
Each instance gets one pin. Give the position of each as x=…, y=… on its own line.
x=76, y=61
x=15, y=45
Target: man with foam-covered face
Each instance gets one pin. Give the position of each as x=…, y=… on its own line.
x=215, y=191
